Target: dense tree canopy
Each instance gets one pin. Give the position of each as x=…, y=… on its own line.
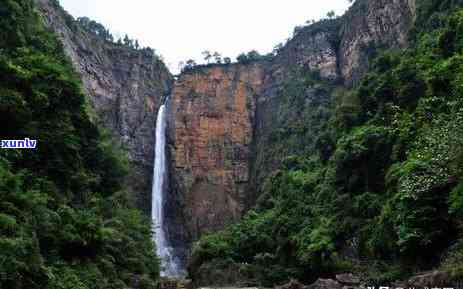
x=65, y=220
x=378, y=190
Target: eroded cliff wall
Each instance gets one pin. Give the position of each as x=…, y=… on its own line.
x=369, y=25
x=211, y=130
x=126, y=87
x=232, y=125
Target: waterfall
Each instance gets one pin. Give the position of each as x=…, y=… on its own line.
x=170, y=265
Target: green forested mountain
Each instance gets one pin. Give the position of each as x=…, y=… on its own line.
x=65, y=220
x=382, y=193
x=371, y=180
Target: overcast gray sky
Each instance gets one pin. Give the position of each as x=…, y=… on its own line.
x=182, y=29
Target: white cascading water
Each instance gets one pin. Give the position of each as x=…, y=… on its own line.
x=170, y=266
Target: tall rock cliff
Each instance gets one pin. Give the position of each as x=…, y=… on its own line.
x=369, y=25
x=232, y=125
x=126, y=87
x=211, y=130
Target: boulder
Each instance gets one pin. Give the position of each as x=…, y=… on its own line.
x=430, y=279
x=293, y=284
x=325, y=284
x=348, y=279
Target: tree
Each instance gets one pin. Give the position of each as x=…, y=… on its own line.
x=64, y=215
x=253, y=55
x=190, y=62
x=95, y=28
x=217, y=57
x=151, y=51
x=277, y=48
x=297, y=29
x=188, y=65
x=207, y=55
x=137, y=45
x=127, y=40
x=331, y=14
x=242, y=58
x=227, y=60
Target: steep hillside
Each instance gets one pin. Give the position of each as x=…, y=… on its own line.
x=126, y=86
x=222, y=154
x=340, y=152
x=65, y=218
x=363, y=177
x=224, y=120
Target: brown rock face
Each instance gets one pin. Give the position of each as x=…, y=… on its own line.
x=211, y=131
x=221, y=118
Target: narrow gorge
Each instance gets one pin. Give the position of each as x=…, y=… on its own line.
x=221, y=118
x=213, y=144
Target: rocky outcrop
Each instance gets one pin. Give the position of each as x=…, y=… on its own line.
x=369, y=25
x=224, y=117
x=431, y=279
x=348, y=279
x=340, y=48
x=339, y=51
x=211, y=130
x=434, y=279
x=125, y=86
x=323, y=284
x=312, y=48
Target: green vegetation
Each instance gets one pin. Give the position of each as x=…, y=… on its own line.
x=253, y=56
x=103, y=33
x=215, y=59
x=376, y=189
x=95, y=28
x=65, y=220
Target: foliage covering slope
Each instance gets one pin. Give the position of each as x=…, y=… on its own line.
x=378, y=191
x=65, y=220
